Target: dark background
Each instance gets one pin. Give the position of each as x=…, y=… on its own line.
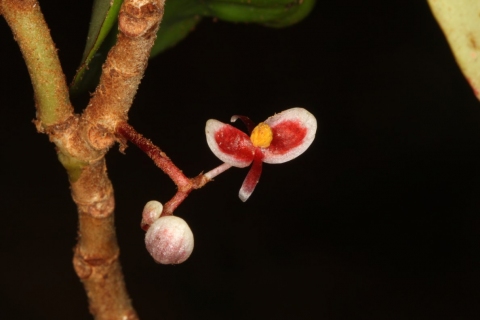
x=379, y=219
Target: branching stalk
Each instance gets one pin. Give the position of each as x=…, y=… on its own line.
x=184, y=184
x=82, y=141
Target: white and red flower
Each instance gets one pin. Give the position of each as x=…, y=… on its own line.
x=278, y=139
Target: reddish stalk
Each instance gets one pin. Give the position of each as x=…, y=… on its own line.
x=184, y=184
x=158, y=156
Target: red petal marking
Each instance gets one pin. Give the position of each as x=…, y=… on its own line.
x=229, y=144
x=235, y=143
x=286, y=136
x=293, y=132
x=252, y=177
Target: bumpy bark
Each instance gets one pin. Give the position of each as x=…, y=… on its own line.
x=83, y=140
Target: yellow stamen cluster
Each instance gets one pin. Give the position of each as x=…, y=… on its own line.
x=262, y=135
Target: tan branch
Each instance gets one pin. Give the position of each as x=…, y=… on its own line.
x=96, y=254
x=126, y=62
x=82, y=141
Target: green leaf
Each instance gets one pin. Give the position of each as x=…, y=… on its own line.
x=460, y=22
x=180, y=18
x=169, y=35
x=270, y=13
x=104, y=17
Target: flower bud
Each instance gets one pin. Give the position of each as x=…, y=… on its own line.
x=169, y=240
x=151, y=212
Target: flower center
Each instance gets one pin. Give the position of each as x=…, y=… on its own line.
x=262, y=135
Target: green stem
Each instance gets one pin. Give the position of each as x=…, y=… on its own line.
x=33, y=36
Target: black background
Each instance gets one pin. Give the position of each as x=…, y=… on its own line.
x=379, y=219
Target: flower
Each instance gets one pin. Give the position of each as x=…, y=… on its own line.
x=169, y=239
x=278, y=139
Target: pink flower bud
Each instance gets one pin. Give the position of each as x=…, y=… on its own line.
x=151, y=212
x=169, y=240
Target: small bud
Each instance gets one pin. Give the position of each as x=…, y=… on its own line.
x=169, y=240
x=151, y=212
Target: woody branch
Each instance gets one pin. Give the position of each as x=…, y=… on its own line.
x=83, y=140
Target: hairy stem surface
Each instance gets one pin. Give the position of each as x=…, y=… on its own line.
x=96, y=254
x=138, y=22
x=82, y=141
x=33, y=36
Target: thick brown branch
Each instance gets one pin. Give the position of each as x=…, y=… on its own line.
x=83, y=140
x=96, y=254
x=126, y=62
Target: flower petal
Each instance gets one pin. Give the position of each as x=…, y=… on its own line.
x=252, y=177
x=293, y=132
x=229, y=144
